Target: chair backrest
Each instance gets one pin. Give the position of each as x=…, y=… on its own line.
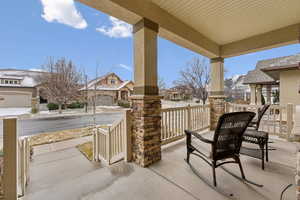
x=260, y=114
x=229, y=134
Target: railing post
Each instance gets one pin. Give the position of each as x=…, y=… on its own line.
x=189, y=117
x=95, y=145
x=10, y=149
x=227, y=110
x=289, y=118
x=128, y=142
x=108, y=145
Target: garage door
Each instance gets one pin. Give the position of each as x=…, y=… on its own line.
x=14, y=100
x=104, y=100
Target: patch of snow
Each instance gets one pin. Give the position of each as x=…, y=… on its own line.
x=4, y=112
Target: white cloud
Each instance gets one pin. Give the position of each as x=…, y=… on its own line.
x=125, y=67
x=118, y=29
x=63, y=11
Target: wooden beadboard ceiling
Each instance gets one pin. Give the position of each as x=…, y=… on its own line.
x=225, y=21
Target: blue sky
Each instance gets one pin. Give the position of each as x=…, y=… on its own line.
x=37, y=29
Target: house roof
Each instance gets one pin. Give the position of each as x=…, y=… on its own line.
x=278, y=62
x=112, y=87
x=257, y=77
x=264, y=71
x=115, y=87
x=27, y=78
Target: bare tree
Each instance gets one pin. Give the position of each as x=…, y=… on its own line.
x=195, y=77
x=61, y=82
x=161, y=84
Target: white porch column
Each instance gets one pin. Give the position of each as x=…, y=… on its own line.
x=269, y=91
x=259, y=95
x=216, y=95
x=145, y=100
x=252, y=94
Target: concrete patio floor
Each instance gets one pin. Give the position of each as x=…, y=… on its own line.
x=67, y=174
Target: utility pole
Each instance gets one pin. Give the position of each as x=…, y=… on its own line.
x=86, y=94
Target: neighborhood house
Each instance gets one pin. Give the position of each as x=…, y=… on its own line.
x=18, y=88
x=275, y=76
x=108, y=90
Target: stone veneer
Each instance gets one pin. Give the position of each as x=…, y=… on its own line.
x=146, y=130
x=217, y=108
x=35, y=103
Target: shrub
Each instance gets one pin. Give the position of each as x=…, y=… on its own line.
x=124, y=104
x=52, y=106
x=75, y=105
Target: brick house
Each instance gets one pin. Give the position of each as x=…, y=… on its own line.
x=108, y=89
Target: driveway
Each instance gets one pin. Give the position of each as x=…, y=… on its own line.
x=14, y=111
x=51, y=124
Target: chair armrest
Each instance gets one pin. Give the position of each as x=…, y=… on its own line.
x=197, y=135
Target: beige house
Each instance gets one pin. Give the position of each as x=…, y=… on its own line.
x=177, y=94
x=282, y=74
x=108, y=89
x=18, y=88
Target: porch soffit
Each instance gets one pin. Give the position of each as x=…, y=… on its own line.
x=214, y=27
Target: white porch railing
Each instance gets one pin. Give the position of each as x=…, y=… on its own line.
x=278, y=120
x=175, y=120
x=23, y=163
x=110, y=145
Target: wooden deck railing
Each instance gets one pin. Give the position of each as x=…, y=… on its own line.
x=175, y=120
x=278, y=120
x=23, y=162
x=110, y=145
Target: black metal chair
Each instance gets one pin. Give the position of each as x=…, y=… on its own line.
x=226, y=143
x=254, y=136
x=256, y=121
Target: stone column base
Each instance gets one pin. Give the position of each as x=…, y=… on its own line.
x=35, y=104
x=146, y=132
x=217, y=109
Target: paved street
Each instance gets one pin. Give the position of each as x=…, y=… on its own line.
x=36, y=126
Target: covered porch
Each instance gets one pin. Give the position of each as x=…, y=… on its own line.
x=67, y=174
x=216, y=29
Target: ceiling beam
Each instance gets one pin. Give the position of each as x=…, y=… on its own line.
x=171, y=28
x=280, y=37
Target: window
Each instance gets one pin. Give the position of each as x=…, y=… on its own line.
x=11, y=82
x=6, y=81
x=112, y=81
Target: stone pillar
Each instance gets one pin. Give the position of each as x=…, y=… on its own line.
x=216, y=96
x=269, y=92
x=252, y=94
x=35, y=104
x=258, y=95
x=146, y=103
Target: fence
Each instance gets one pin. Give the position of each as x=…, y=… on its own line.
x=23, y=162
x=110, y=145
x=278, y=120
x=175, y=120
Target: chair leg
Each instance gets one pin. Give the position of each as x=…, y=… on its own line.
x=214, y=173
x=241, y=168
x=262, y=157
x=187, y=156
x=267, y=151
